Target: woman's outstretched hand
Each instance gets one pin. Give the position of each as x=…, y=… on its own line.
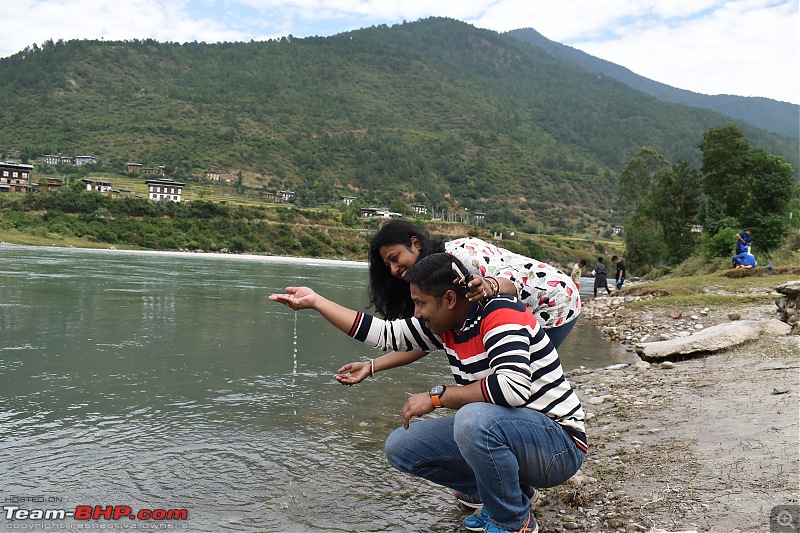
x=353, y=373
x=296, y=298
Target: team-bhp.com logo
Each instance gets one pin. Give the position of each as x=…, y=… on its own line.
x=94, y=512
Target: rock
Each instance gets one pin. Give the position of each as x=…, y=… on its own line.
x=776, y=328
x=667, y=365
x=676, y=314
x=734, y=316
x=597, y=400
x=781, y=390
x=711, y=339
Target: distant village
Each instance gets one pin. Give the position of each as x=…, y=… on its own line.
x=16, y=178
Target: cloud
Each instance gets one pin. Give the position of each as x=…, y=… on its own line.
x=748, y=48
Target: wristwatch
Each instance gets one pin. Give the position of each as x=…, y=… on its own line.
x=436, y=395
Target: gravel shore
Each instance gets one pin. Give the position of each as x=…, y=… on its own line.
x=703, y=444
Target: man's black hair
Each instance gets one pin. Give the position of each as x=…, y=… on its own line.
x=434, y=275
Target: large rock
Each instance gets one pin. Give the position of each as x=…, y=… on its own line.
x=709, y=340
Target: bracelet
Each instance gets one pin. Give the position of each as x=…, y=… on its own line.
x=371, y=367
x=494, y=284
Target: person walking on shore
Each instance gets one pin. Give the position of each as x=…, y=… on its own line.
x=517, y=423
x=600, y=276
x=577, y=272
x=619, y=276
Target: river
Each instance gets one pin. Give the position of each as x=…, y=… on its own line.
x=170, y=382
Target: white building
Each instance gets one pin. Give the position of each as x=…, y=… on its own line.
x=165, y=190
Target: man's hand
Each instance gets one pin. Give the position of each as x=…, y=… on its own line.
x=353, y=373
x=296, y=298
x=417, y=405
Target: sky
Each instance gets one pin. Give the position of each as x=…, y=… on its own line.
x=741, y=47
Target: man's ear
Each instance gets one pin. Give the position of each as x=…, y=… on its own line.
x=450, y=299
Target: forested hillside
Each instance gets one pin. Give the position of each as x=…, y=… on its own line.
x=778, y=117
x=436, y=112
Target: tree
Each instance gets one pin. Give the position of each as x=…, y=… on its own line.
x=644, y=243
x=639, y=177
x=726, y=170
x=747, y=183
x=674, y=204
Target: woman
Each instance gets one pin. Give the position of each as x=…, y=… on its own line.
x=547, y=292
x=600, y=277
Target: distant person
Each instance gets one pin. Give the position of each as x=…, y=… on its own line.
x=577, y=272
x=743, y=239
x=619, y=276
x=516, y=422
x=600, y=276
x=744, y=260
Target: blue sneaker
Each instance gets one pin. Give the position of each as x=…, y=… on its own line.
x=477, y=521
x=530, y=527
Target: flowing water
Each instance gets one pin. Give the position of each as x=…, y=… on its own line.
x=170, y=382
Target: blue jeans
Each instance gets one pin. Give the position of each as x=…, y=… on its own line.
x=559, y=333
x=488, y=451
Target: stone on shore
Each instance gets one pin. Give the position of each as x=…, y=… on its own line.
x=712, y=339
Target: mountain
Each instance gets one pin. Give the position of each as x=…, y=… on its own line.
x=436, y=112
x=779, y=117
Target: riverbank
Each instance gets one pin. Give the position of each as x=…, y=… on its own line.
x=209, y=255
x=705, y=444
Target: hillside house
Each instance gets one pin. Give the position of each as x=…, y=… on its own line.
x=15, y=177
x=287, y=195
x=53, y=184
x=58, y=159
x=479, y=215
x=347, y=199
x=212, y=175
x=97, y=185
x=134, y=167
x=369, y=212
x=153, y=170
x=420, y=209
x=85, y=160
x=165, y=190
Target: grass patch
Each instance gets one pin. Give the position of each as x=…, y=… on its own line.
x=710, y=284
x=712, y=301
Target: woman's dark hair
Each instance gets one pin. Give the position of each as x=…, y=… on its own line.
x=389, y=295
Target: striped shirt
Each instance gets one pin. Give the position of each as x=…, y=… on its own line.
x=502, y=346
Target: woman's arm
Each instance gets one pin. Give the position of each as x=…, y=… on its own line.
x=484, y=261
x=356, y=372
x=304, y=298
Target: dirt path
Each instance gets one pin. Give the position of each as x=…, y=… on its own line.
x=711, y=444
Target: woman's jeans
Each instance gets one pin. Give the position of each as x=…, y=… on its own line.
x=488, y=451
x=559, y=333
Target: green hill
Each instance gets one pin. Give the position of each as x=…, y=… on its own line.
x=435, y=112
